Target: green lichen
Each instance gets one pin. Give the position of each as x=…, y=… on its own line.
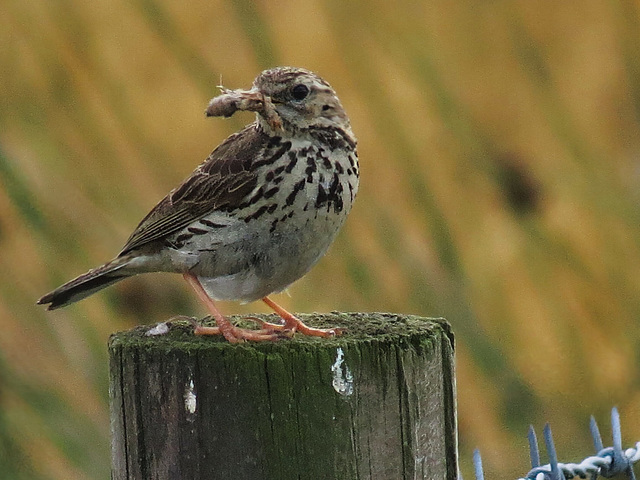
x=379, y=327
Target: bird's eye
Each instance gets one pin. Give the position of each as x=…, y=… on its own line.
x=300, y=92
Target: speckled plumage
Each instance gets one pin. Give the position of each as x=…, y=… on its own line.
x=264, y=206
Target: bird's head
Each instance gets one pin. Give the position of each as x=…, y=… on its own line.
x=301, y=98
x=287, y=99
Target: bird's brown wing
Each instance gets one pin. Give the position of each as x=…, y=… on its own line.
x=221, y=183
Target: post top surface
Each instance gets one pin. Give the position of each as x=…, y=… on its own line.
x=359, y=327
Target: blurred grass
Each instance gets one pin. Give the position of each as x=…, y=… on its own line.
x=500, y=147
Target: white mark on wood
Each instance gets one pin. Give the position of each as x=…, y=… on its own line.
x=190, y=400
x=342, y=377
x=160, y=329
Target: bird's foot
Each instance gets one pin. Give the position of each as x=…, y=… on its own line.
x=293, y=324
x=287, y=330
x=232, y=333
x=280, y=329
x=235, y=334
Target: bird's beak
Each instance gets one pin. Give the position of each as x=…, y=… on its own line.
x=230, y=101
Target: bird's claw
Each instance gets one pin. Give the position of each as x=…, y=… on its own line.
x=287, y=331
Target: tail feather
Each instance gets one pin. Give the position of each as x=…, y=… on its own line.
x=86, y=284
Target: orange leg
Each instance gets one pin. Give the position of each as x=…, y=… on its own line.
x=232, y=333
x=293, y=324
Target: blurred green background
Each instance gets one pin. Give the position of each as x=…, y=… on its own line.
x=500, y=159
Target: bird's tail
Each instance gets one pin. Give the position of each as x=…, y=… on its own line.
x=87, y=284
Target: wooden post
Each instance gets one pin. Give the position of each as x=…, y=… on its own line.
x=377, y=402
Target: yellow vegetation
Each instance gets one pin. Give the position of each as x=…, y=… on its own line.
x=500, y=159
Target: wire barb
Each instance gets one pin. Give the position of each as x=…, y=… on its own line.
x=534, y=451
x=607, y=462
x=477, y=465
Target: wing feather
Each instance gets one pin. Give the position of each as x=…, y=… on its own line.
x=221, y=183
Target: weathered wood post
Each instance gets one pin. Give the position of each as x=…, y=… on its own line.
x=375, y=403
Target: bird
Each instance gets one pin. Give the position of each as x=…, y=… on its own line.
x=257, y=214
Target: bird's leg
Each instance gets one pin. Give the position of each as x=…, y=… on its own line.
x=232, y=333
x=293, y=324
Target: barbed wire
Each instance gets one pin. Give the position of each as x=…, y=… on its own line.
x=607, y=462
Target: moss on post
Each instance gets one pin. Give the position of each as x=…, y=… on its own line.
x=377, y=402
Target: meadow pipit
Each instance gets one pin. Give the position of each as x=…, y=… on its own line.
x=257, y=214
